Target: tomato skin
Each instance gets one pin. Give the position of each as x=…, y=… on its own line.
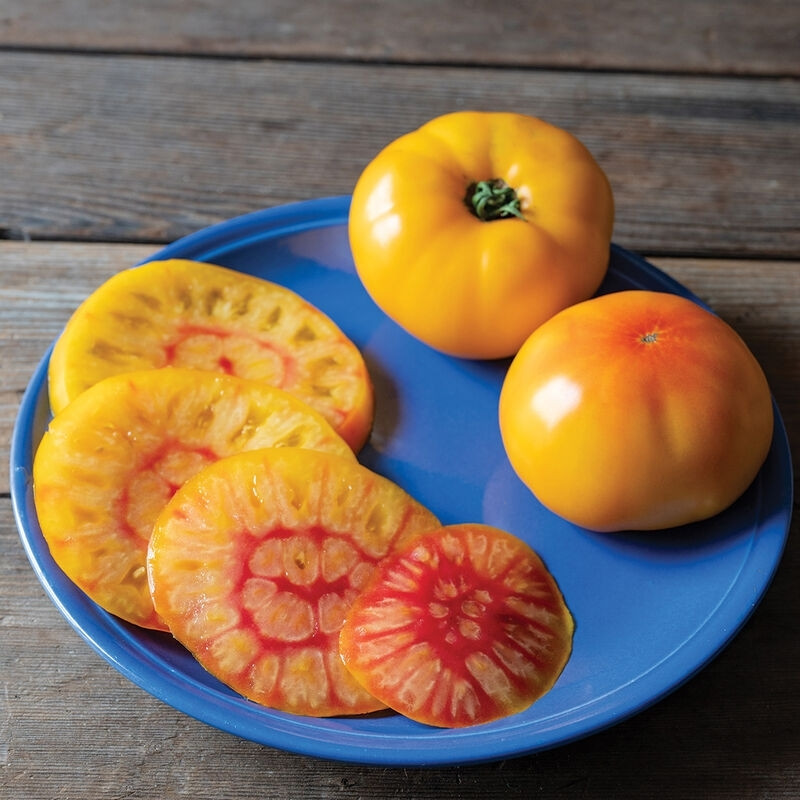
x=636, y=410
x=464, y=286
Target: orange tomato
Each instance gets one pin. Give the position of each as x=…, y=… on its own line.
x=474, y=229
x=636, y=410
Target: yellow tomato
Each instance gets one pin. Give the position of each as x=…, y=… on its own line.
x=474, y=229
x=636, y=410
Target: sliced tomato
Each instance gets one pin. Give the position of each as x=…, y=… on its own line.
x=112, y=459
x=462, y=626
x=255, y=561
x=192, y=314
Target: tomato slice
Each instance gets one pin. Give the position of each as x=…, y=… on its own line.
x=111, y=460
x=462, y=626
x=255, y=561
x=192, y=314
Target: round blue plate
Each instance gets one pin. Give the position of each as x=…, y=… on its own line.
x=650, y=609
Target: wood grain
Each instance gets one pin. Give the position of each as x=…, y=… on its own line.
x=124, y=125
x=709, y=36
x=135, y=149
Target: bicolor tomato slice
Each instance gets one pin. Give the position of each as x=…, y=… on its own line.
x=192, y=314
x=255, y=561
x=111, y=460
x=463, y=626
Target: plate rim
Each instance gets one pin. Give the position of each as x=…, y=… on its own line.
x=296, y=734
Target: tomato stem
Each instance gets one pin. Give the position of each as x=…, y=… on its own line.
x=491, y=200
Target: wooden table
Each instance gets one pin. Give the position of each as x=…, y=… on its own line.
x=124, y=125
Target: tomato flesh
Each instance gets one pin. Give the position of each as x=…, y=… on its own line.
x=256, y=560
x=462, y=626
x=201, y=316
x=112, y=459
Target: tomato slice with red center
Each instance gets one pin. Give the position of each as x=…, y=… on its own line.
x=112, y=459
x=255, y=561
x=192, y=314
x=462, y=626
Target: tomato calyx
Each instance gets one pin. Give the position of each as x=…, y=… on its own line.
x=492, y=199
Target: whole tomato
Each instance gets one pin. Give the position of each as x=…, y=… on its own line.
x=474, y=229
x=636, y=410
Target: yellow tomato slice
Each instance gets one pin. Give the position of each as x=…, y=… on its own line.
x=462, y=626
x=192, y=314
x=255, y=561
x=111, y=460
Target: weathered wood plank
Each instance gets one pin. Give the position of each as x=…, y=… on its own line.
x=684, y=35
x=109, y=148
x=132, y=149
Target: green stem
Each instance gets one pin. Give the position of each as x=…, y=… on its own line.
x=494, y=199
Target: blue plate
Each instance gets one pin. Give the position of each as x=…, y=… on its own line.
x=650, y=609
